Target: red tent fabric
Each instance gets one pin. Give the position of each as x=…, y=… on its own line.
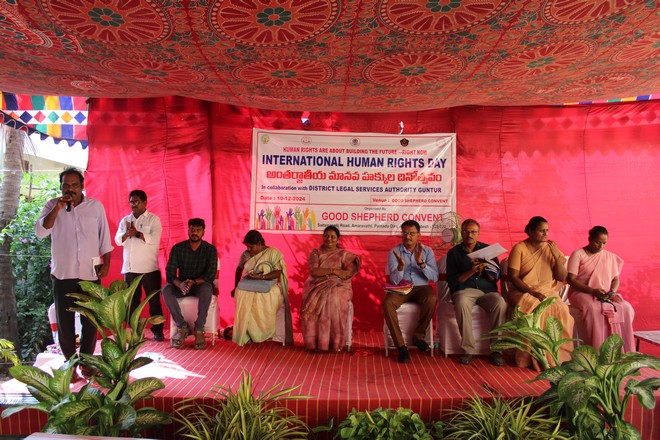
x=577, y=166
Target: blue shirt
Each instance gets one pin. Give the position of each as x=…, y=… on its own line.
x=411, y=271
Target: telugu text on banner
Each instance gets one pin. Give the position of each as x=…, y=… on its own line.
x=363, y=183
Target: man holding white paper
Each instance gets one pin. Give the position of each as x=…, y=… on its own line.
x=412, y=263
x=474, y=281
x=80, y=250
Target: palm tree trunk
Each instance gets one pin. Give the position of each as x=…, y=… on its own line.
x=10, y=188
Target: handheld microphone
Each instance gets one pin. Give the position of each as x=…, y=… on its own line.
x=68, y=206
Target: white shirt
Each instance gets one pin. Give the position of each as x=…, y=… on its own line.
x=78, y=239
x=140, y=256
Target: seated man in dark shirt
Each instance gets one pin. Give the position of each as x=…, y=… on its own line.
x=473, y=282
x=190, y=270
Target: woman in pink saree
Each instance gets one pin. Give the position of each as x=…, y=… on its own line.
x=327, y=294
x=593, y=274
x=537, y=270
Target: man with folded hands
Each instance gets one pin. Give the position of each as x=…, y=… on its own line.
x=411, y=262
x=474, y=281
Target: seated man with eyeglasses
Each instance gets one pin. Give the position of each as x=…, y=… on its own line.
x=411, y=263
x=474, y=282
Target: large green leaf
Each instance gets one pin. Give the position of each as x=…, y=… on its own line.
x=147, y=417
x=110, y=350
x=97, y=362
x=586, y=357
x=610, y=349
x=61, y=379
x=575, y=390
x=535, y=334
x=124, y=417
x=554, y=328
x=118, y=285
x=71, y=411
x=500, y=346
x=644, y=390
x=90, y=312
x=95, y=290
x=113, y=311
x=553, y=375
x=139, y=362
x=33, y=377
x=143, y=387
x=42, y=406
x=626, y=431
x=42, y=397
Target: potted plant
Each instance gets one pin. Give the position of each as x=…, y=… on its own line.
x=240, y=415
x=383, y=424
x=500, y=419
x=109, y=410
x=592, y=390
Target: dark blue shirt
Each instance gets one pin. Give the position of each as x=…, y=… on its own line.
x=458, y=262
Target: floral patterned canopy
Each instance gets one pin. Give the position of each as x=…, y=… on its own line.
x=332, y=55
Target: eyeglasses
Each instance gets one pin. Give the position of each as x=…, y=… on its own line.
x=134, y=202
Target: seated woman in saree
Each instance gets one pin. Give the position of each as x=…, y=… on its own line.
x=537, y=270
x=327, y=293
x=261, y=289
x=593, y=274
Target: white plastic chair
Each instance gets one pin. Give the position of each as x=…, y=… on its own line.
x=52, y=319
x=408, y=316
x=188, y=306
x=448, y=334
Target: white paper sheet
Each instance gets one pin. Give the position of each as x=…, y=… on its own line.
x=487, y=253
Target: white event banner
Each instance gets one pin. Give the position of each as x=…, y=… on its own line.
x=363, y=183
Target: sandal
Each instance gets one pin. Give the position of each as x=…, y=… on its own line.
x=200, y=340
x=180, y=337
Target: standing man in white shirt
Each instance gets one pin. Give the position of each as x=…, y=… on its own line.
x=80, y=250
x=139, y=233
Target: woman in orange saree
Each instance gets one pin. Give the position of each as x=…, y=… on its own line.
x=537, y=270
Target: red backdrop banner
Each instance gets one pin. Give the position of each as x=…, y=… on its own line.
x=577, y=166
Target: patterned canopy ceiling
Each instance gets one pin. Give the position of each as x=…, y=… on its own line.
x=331, y=55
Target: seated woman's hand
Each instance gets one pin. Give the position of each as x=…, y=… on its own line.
x=599, y=293
x=538, y=295
x=255, y=275
x=343, y=274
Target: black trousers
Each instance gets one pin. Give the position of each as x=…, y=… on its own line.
x=66, y=319
x=150, y=283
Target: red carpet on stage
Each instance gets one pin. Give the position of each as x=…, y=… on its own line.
x=337, y=382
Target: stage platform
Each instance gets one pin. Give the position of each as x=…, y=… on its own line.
x=363, y=379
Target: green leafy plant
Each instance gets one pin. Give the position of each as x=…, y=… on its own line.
x=502, y=419
x=587, y=389
x=525, y=332
x=30, y=258
x=592, y=390
x=241, y=416
x=7, y=352
x=91, y=410
x=383, y=424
